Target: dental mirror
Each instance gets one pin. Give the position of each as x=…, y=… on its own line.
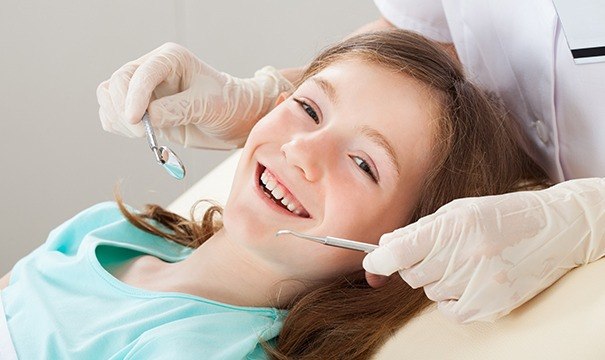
x=166, y=157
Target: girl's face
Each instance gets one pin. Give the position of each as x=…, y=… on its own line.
x=348, y=150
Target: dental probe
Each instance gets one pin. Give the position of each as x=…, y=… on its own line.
x=332, y=241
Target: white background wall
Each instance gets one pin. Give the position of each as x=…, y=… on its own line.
x=56, y=159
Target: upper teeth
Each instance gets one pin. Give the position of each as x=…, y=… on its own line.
x=279, y=192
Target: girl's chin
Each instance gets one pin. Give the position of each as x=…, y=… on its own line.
x=246, y=225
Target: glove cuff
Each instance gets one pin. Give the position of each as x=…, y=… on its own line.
x=249, y=100
x=281, y=84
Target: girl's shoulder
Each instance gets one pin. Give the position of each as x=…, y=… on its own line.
x=66, y=236
x=103, y=212
x=94, y=216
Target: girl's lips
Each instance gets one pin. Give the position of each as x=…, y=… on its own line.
x=270, y=201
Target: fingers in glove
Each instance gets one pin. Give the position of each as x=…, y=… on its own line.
x=113, y=127
x=145, y=79
x=117, y=127
x=423, y=273
x=106, y=111
x=173, y=110
x=118, y=88
x=458, y=312
x=104, y=100
x=400, y=252
x=403, y=248
x=486, y=300
x=438, y=291
x=109, y=118
x=451, y=310
x=445, y=264
x=105, y=122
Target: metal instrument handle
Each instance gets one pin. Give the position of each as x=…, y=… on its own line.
x=151, y=138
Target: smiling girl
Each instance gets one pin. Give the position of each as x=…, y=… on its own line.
x=382, y=130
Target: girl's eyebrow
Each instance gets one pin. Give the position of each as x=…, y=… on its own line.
x=375, y=136
x=327, y=88
x=381, y=141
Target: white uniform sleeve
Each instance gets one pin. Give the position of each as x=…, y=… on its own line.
x=423, y=16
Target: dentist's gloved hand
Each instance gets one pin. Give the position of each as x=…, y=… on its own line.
x=480, y=258
x=188, y=101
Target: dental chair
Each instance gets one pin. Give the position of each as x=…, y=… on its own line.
x=566, y=321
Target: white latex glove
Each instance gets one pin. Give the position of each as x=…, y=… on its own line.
x=188, y=101
x=480, y=258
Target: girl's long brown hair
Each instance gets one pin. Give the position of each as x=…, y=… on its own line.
x=475, y=154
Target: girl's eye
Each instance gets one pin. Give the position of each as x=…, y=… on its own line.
x=365, y=167
x=313, y=115
x=308, y=109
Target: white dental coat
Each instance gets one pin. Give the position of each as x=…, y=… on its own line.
x=517, y=49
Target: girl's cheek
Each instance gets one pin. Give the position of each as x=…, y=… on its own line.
x=262, y=129
x=281, y=120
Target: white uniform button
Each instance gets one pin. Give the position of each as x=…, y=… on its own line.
x=542, y=131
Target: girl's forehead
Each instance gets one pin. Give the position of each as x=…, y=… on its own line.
x=375, y=91
x=358, y=74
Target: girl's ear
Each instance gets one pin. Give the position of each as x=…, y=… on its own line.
x=281, y=97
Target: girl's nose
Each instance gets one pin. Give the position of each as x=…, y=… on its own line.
x=312, y=153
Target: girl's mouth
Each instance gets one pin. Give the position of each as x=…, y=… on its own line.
x=278, y=194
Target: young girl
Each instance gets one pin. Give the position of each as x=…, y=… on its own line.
x=382, y=130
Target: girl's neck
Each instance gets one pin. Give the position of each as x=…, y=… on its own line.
x=221, y=270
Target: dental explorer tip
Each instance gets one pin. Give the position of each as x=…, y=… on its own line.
x=283, y=232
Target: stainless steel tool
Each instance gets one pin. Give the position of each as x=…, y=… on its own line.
x=166, y=157
x=332, y=241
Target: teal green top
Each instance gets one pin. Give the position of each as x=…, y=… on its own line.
x=62, y=303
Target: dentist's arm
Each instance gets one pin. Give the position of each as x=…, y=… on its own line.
x=480, y=258
x=188, y=101
x=4, y=281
